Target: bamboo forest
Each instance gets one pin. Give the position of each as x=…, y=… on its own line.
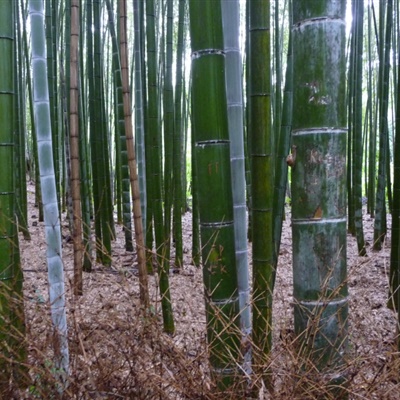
x=199, y=199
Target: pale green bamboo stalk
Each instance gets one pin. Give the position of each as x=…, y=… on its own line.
x=234, y=96
x=48, y=186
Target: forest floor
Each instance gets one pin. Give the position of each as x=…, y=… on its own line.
x=117, y=354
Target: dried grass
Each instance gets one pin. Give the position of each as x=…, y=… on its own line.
x=119, y=352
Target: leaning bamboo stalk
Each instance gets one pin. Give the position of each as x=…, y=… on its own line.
x=137, y=211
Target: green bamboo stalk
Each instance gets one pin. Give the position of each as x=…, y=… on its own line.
x=83, y=151
x=212, y=155
x=122, y=168
x=20, y=136
x=350, y=103
x=372, y=122
x=49, y=193
x=319, y=191
x=153, y=128
x=52, y=68
x=38, y=198
x=139, y=117
x=394, y=291
x=196, y=247
x=383, y=87
x=357, y=155
x=262, y=183
x=153, y=135
x=150, y=97
x=92, y=126
x=278, y=73
x=99, y=142
x=168, y=108
x=119, y=134
x=282, y=150
x=102, y=78
x=11, y=323
x=247, y=144
x=65, y=101
x=178, y=158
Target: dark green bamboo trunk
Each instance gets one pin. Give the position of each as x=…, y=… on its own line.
x=99, y=140
x=139, y=111
x=394, y=291
x=84, y=154
x=122, y=170
x=154, y=138
x=21, y=132
x=12, y=322
x=383, y=88
x=357, y=124
x=92, y=126
x=177, y=140
x=168, y=107
x=282, y=151
x=262, y=183
x=212, y=155
x=52, y=68
x=319, y=192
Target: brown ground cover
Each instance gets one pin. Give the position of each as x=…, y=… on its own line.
x=118, y=353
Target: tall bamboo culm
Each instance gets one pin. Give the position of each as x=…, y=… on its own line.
x=137, y=210
x=234, y=95
x=212, y=155
x=74, y=147
x=12, y=324
x=319, y=193
x=262, y=184
x=48, y=186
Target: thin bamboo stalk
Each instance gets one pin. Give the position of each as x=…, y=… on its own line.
x=137, y=211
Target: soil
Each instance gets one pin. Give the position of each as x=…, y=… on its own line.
x=109, y=307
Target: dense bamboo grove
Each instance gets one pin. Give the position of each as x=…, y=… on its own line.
x=135, y=112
